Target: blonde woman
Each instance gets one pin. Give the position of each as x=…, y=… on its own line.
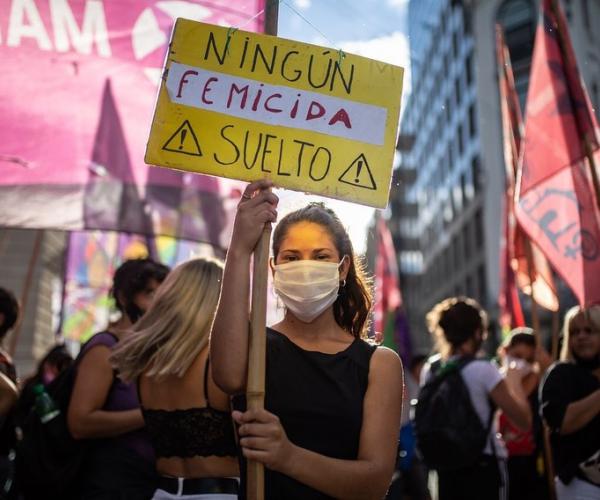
x=570, y=402
x=186, y=415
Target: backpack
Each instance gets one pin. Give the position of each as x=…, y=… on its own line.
x=49, y=459
x=449, y=432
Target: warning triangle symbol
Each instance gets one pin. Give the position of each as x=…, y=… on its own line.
x=359, y=174
x=183, y=141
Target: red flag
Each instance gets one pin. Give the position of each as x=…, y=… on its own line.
x=387, y=291
x=391, y=325
x=556, y=205
x=522, y=263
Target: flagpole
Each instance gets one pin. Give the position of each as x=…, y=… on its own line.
x=555, y=335
x=255, y=387
x=590, y=156
x=535, y=321
x=585, y=139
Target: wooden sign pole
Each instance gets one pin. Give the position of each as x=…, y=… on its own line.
x=255, y=391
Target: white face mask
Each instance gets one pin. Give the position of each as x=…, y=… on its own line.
x=307, y=287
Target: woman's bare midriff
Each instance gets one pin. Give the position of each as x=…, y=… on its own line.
x=198, y=467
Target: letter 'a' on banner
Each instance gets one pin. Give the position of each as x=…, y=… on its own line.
x=246, y=106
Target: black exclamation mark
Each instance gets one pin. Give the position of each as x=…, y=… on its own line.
x=183, y=134
x=358, y=169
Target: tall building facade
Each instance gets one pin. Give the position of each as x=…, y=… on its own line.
x=447, y=214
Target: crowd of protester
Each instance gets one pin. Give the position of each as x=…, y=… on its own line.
x=155, y=405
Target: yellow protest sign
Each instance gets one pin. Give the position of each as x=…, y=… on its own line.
x=248, y=106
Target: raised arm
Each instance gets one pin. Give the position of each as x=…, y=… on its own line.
x=8, y=394
x=580, y=413
x=510, y=397
x=369, y=476
x=229, y=335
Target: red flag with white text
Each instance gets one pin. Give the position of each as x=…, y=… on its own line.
x=556, y=203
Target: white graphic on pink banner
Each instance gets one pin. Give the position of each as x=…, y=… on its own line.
x=57, y=57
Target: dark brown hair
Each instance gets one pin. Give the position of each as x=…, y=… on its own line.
x=353, y=305
x=454, y=321
x=9, y=307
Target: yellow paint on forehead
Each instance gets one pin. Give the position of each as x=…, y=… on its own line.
x=307, y=236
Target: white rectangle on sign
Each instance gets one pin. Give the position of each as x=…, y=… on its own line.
x=275, y=104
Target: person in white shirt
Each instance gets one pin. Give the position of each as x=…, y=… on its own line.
x=459, y=326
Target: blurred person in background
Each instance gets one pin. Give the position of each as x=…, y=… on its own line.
x=120, y=462
x=570, y=403
x=525, y=447
x=9, y=316
x=410, y=478
x=187, y=416
x=50, y=366
x=459, y=326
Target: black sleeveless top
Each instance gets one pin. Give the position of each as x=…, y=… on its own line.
x=318, y=398
x=193, y=432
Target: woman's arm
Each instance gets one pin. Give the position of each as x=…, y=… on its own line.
x=229, y=335
x=264, y=439
x=509, y=396
x=85, y=417
x=8, y=394
x=580, y=413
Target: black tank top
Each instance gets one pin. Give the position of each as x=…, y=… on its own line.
x=318, y=398
x=191, y=432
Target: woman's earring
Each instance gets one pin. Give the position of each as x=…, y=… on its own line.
x=343, y=283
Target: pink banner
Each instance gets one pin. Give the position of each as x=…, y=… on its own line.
x=77, y=93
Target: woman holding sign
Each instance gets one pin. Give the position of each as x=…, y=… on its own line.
x=333, y=400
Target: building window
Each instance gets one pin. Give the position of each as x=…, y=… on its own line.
x=482, y=282
x=467, y=241
x=466, y=14
x=457, y=92
x=460, y=140
x=448, y=211
x=457, y=197
x=518, y=19
x=476, y=173
x=455, y=44
x=446, y=62
x=457, y=252
x=585, y=7
x=479, y=229
x=448, y=111
x=469, y=285
x=596, y=99
x=472, y=121
x=469, y=68
x=463, y=190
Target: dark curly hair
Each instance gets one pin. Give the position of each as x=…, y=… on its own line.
x=454, y=321
x=131, y=278
x=353, y=305
x=9, y=308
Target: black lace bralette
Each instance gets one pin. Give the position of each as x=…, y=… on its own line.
x=191, y=432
